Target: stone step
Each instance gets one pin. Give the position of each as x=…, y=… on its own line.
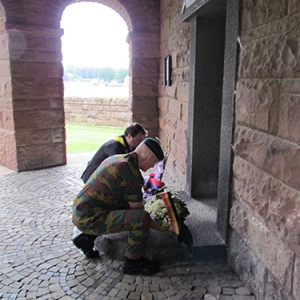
x=164, y=246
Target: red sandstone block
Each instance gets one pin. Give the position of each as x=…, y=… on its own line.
x=20, y=104
x=4, y=68
x=3, y=40
x=56, y=103
x=289, y=121
x=163, y=104
x=6, y=120
x=5, y=87
x=174, y=108
x=4, y=54
x=270, y=249
x=165, y=28
x=55, y=69
x=290, y=85
x=18, y=68
x=183, y=92
x=40, y=137
x=38, y=103
x=142, y=104
x=35, y=13
x=54, y=43
x=51, y=118
x=49, y=56
x=275, y=156
x=171, y=121
x=259, y=60
x=257, y=104
x=36, y=69
x=29, y=158
x=6, y=104
x=144, y=86
x=22, y=138
x=16, y=39
x=251, y=186
x=8, y=156
x=36, y=42
x=293, y=8
x=145, y=67
x=257, y=13
x=24, y=87
x=283, y=214
x=179, y=153
x=8, y=137
x=146, y=49
x=50, y=87
x=22, y=54
x=184, y=113
x=26, y=119
x=170, y=91
x=296, y=279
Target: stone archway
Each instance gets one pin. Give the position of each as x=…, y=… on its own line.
x=32, y=114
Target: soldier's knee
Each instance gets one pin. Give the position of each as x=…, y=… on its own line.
x=142, y=217
x=146, y=220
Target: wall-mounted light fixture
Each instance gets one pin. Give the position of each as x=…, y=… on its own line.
x=168, y=70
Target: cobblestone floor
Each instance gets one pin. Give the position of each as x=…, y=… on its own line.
x=39, y=261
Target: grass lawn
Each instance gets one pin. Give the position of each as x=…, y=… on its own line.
x=88, y=138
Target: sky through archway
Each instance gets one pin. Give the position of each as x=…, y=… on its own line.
x=94, y=36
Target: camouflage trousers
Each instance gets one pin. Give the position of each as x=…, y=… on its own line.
x=136, y=222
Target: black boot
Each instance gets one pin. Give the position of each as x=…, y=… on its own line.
x=141, y=266
x=85, y=242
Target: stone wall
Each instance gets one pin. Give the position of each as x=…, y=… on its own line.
x=98, y=111
x=7, y=136
x=265, y=219
x=173, y=100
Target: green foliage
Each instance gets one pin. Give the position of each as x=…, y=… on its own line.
x=105, y=74
x=87, y=138
x=120, y=74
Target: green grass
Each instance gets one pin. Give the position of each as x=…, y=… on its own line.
x=88, y=138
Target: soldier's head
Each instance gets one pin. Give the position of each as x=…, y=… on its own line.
x=149, y=153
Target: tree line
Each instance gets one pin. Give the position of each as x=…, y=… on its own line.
x=103, y=74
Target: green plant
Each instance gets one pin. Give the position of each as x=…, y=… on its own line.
x=82, y=138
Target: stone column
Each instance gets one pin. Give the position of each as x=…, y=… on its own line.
x=144, y=74
x=37, y=96
x=7, y=135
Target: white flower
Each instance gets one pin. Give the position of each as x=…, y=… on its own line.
x=158, y=211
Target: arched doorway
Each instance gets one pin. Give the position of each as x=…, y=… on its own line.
x=33, y=134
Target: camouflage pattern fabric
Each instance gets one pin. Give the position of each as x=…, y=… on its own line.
x=102, y=206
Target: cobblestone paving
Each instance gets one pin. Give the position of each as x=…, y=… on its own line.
x=39, y=261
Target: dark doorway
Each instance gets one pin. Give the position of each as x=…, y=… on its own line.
x=214, y=28
x=206, y=105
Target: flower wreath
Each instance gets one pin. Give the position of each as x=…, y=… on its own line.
x=166, y=206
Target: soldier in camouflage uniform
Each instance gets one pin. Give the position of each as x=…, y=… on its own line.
x=111, y=201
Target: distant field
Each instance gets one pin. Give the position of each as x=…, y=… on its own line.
x=86, y=138
x=88, y=89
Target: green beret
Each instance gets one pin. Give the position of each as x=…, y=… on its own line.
x=155, y=147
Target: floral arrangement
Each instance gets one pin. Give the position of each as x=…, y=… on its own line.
x=166, y=206
x=156, y=206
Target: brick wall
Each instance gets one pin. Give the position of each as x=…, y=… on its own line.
x=98, y=111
